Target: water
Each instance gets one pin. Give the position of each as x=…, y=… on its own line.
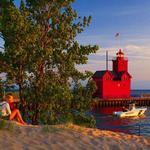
x=131, y=125
x=138, y=93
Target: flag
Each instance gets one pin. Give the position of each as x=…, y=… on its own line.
x=117, y=34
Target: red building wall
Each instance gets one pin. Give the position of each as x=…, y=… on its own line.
x=109, y=88
x=116, y=89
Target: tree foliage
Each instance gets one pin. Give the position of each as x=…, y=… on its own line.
x=41, y=54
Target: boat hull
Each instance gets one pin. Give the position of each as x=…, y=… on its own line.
x=131, y=113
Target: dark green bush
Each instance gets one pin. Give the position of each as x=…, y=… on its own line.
x=84, y=120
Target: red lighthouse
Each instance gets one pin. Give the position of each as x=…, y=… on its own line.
x=115, y=83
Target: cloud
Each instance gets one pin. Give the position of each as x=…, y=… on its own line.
x=139, y=52
x=132, y=51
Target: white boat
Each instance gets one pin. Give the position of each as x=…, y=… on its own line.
x=131, y=112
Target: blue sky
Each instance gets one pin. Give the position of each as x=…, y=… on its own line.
x=131, y=18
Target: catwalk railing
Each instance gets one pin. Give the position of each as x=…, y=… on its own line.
x=140, y=101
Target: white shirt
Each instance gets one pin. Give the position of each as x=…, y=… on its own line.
x=5, y=108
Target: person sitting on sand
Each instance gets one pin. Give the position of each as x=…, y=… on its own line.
x=13, y=112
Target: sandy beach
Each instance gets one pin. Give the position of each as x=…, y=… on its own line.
x=67, y=137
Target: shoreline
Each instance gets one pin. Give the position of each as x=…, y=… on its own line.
x=66, y=137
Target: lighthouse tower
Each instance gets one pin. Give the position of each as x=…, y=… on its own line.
x=120, y=63
x=114, y=83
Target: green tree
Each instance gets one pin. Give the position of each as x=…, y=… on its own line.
x=18, y=34
x=42, y=52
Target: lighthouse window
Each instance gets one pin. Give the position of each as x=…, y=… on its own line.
x=125, y=78
x=107, y=78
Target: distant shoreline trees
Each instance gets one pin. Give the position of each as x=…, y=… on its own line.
x=40, y=55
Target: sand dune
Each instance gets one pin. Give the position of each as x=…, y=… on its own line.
x=68, y=137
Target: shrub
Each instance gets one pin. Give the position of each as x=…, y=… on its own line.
x=84, y=120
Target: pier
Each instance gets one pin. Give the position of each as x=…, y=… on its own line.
x=140, y=101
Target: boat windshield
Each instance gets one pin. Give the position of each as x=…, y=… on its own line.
x=131, y=106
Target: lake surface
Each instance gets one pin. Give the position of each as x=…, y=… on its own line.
x=138, y=93
x=106, y=121
x=131, y=125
